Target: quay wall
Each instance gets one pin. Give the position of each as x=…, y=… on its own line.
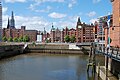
x=49, y=46
x=54, y=49
x=16, y=49
x=10, y=50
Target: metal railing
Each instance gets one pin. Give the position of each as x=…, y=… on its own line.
x=114, y=53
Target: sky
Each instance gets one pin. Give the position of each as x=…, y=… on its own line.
x=37, y=14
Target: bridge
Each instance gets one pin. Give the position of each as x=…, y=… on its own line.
x=114, y=53
x=112, y=60
x=84, y=44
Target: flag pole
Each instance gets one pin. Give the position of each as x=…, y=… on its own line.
x=108, y=46
x=109, y=32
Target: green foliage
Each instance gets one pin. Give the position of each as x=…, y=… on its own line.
x=33, y=43
x=15, y=39
x=67, y=38
x=72, y=39
x=4, y=39
x=26, y=38
x=47, y=41
x=10, y=39
x=20, y=39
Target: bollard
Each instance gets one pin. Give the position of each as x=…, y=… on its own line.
x=98, y=70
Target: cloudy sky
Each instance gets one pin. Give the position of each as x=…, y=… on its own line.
x=37, y=14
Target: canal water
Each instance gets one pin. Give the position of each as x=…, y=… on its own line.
x=45, y=67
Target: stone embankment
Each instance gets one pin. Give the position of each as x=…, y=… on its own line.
x=16, y=49
x=56, y=49
x=10, y=50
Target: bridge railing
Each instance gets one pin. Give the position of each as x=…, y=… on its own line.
x=113, y=53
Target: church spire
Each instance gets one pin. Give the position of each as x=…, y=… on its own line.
x=53, y=29
x=79, y=20
x=8, y=25
x=44, y=31
x=12, y=15
x=52, y=25
x=12, y=21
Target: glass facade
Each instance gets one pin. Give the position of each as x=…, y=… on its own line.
x=0, y=21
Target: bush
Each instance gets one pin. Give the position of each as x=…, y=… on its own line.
x=4, y=39
x=10, y=39
x=26, y=38
x=67, y=38
x=72, y=39
x=15, y=39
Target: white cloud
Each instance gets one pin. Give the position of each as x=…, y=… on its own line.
x=34, y=23
x=38, y=2
x=4, y=9
x=96, y=1
x=38, y=23
x=48, y=8
x=57, y=15
x=4, y=20
x=72, y=3
x=91, y=14
x=68, y=24
x=41, y=1
x=93, y=20
x=12, y=1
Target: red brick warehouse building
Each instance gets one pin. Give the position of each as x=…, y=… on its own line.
x=82, y=33
x=12, y=32
x=115, y=26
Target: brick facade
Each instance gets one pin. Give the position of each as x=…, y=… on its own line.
x=115, y=25
x=83, y=33
x=115, y=34
x=12, y=32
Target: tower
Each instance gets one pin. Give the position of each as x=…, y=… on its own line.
x=52, y=33
x=0, y=21
x=12, y=21
x=8, y=25
x=78, y=29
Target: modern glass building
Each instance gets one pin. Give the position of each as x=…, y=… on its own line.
x=0, y=21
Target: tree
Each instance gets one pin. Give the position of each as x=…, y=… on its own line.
x=4, y=39
x=26, y=38
x=15, y=39
x=47, y=40
x=20, y=39
x=10, y=39
x=72, y=39
x=67, y=38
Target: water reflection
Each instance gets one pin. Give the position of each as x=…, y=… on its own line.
x=44, y=67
